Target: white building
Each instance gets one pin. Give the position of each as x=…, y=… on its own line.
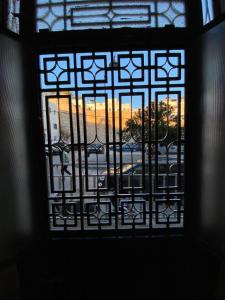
x=53, y=120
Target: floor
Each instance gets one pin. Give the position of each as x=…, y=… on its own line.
x=129, y=269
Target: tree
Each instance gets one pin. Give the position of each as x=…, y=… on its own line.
x=65, y=134
x=160, y=121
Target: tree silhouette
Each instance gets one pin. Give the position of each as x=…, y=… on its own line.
x=160, y=122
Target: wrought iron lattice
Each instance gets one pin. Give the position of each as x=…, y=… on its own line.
x=62, y=15
x=114, y=138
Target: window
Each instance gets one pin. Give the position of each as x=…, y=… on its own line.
x=60, y=15
x=115, y=109
x=13, y=15
x=212, y=9
x=207, y=11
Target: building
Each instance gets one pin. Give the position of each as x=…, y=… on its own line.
x=53, y=123
x=94, y=115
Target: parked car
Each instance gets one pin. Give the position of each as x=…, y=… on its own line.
x=107, y=181
x=162, y=149
x=174, y=148
x=95, y=148
x=55, y=150
x=132, y=175
x=129, y=147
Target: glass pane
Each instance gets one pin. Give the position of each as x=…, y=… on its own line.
x=207, y=11
x=13, y=21
x=62, y=15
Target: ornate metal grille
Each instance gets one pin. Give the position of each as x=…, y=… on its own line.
x=114, y=138
x=62, y=15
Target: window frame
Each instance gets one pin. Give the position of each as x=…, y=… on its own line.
x=94, y=40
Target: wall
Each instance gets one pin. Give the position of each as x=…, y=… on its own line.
x=213, y=135
x=212, y=163
x=15, y=222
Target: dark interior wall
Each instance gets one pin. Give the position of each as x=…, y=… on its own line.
x=212, y=213
x=20, y=171
x=207, y=196
x=14, y=163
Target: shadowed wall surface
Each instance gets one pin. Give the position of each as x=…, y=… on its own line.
x=212, y=170
x=213, y=132
x=14, y=167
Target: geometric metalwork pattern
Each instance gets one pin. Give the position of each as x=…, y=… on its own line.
x=114, y=134
x=99, y=213
x=64, y=215
x=64, y=15
x=168, y=211
x=133, y=212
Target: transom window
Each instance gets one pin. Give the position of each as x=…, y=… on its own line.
x=60, y=15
